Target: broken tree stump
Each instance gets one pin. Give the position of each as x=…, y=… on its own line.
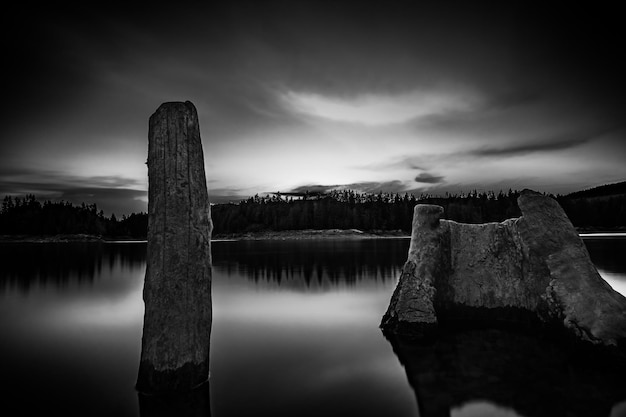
x=534, y=268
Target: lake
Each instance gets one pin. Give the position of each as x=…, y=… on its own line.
x=295, y=333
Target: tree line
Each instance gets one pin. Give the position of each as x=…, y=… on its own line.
x=348, y=209
x=344, y=209
x=28, y=216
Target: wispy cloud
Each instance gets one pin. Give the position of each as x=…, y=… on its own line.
x=380, y=109
x=10, y=174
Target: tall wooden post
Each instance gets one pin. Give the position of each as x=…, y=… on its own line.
x=177, y=289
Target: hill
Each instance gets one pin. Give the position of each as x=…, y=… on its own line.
x=602, y=207
x=607, y=190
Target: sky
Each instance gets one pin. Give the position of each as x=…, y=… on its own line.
x=392, y=96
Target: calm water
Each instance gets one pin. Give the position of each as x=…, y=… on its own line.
x=295, y=333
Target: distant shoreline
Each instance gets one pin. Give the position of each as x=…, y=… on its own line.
x=64, y=238
x=309, y=234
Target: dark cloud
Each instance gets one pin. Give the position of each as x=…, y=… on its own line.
x=523, y=149
x=536, y=144
x=548, y=144
x=427, y=178
x=361, y=46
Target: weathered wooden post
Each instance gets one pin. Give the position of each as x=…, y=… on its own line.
x=177, y=289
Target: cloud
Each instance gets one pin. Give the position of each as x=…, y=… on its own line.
x=427, y=178
x=380, y=109
x=113, y=194
x=314, y=189
x=393, y=186
x=523, y=146
x=9, y=174
x=547, y=144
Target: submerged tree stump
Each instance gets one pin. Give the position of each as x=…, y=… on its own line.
x=177, y=289
x=531, y=269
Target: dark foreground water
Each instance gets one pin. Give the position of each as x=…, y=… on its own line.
x=295, y=333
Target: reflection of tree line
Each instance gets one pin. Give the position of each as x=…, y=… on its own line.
x=311, y=263
x=55, y=264
x=294, y=263
x=306, y=262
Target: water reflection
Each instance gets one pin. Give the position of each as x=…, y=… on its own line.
x=295, y=329
x=307, y=264
x=70, y=326
x=508, y=374
x=25, y=265
x=295, y=333
x=502, y=373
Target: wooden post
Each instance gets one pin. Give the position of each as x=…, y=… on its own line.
x=177, y=289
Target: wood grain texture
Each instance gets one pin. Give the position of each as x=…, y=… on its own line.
x=177, y=289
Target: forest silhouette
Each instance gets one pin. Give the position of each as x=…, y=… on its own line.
x=599, y=208
x=28, y=216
